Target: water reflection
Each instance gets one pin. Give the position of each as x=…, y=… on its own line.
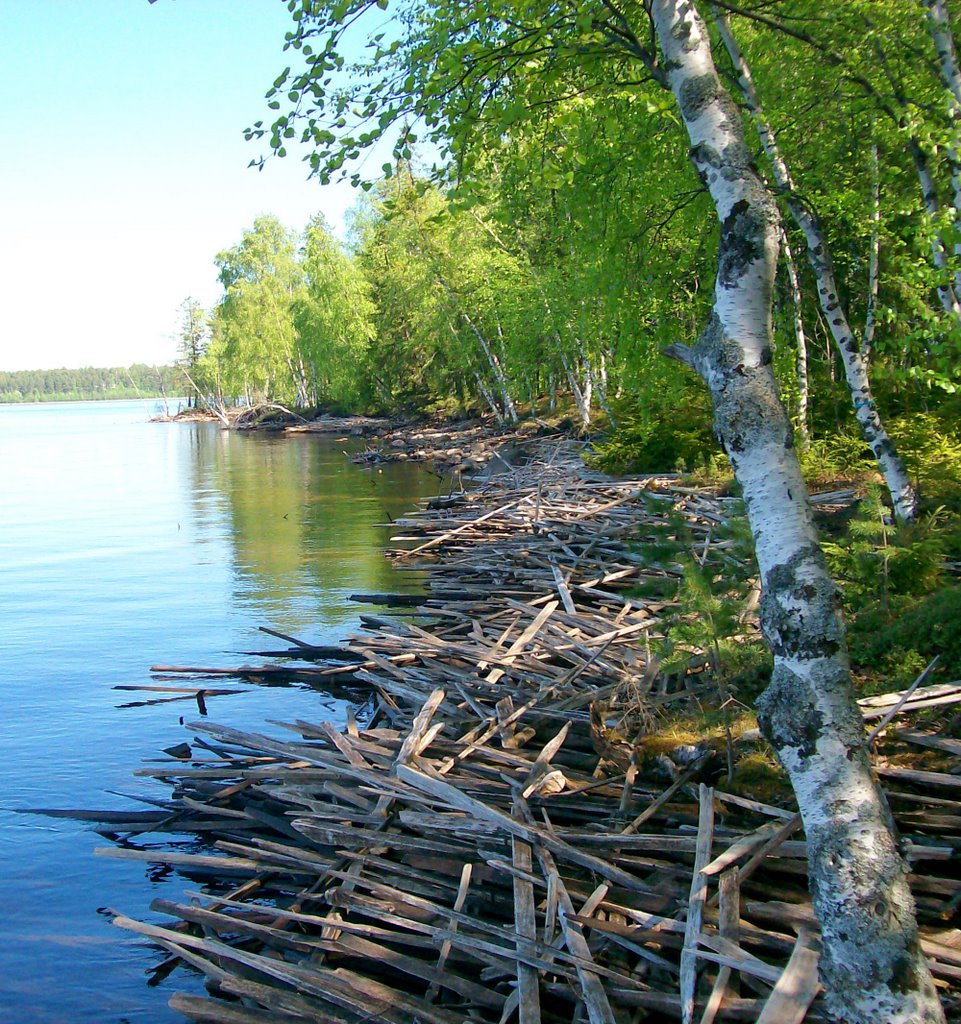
x=124, y=544
x=306, y=527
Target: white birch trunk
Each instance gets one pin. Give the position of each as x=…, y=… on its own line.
x=600, y=389
x=582, y=407
x=872, y=965
x=488, y=397
x=903, y=496
x=499, y=359
x=482, y=386
x=940, y=28
x=510, y=409
x=801, y=347
x=493, y=362
x=932, y=205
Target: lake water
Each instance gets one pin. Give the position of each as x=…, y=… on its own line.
x=124, y=544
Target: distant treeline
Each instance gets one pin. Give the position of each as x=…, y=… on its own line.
x=90, y=383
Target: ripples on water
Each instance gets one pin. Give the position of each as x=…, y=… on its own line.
x=123, y=544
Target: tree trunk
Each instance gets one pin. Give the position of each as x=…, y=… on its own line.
x=801, y=346
x=872, y=966
x=500, y=359
x=510, y=412
x=488, y=397
x=939, y=255
x=582, y=407
x=595, y=386
x=898, y=482
x=940, y=28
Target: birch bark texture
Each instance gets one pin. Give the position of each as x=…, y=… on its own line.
x=803, y=433
x=872, y=966
x=903, y=496
x=940, y=28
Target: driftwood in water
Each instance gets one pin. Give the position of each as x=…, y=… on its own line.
x=489, y=844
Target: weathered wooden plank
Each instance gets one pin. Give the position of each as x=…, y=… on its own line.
x=453, y=797
x=510, y=655
x=459, y=901
x=216, y=1011
x=193, y=861
x=412, y=742
x=740, y=847
x=598, y=1007
x=924, y=739
x=525, y=924
x=729, y=930
x=695, y=906
x=797, y=987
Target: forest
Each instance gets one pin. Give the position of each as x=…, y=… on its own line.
x=572, y=242
x=90, y=384
x=593, y=205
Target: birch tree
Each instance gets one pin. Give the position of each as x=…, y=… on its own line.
x=892, y=467
x=808, y=712
x=443, y=293
x=332, y=318
x=474, y=68
x=256, y=338
x=875, y=60
x=939, y=25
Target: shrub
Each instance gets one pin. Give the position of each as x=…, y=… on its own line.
x=899, y=648
x=933, y=457
x=878, y=560
x=667, y=431
x=842, y=453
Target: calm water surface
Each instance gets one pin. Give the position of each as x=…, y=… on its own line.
x=124, y=544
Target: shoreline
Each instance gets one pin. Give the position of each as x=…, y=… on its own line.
x=466, y=446
x=493, y=836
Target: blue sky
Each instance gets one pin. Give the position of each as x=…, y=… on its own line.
x=125, y=171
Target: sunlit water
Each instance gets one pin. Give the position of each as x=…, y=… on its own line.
x=124, y=544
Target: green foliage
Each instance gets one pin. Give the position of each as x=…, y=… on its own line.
x=705, y=621
x=892, y=646
x=710, y=585
x=333, y=321
x=668, y=429
x=194, y=334
x=878, y=560
x=293, y=324
x=891, y=577
x=931, y=447
x=837, y=455
x=254, y=336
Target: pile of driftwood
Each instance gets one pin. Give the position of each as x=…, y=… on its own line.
x=488, y=842
x=466, y=448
